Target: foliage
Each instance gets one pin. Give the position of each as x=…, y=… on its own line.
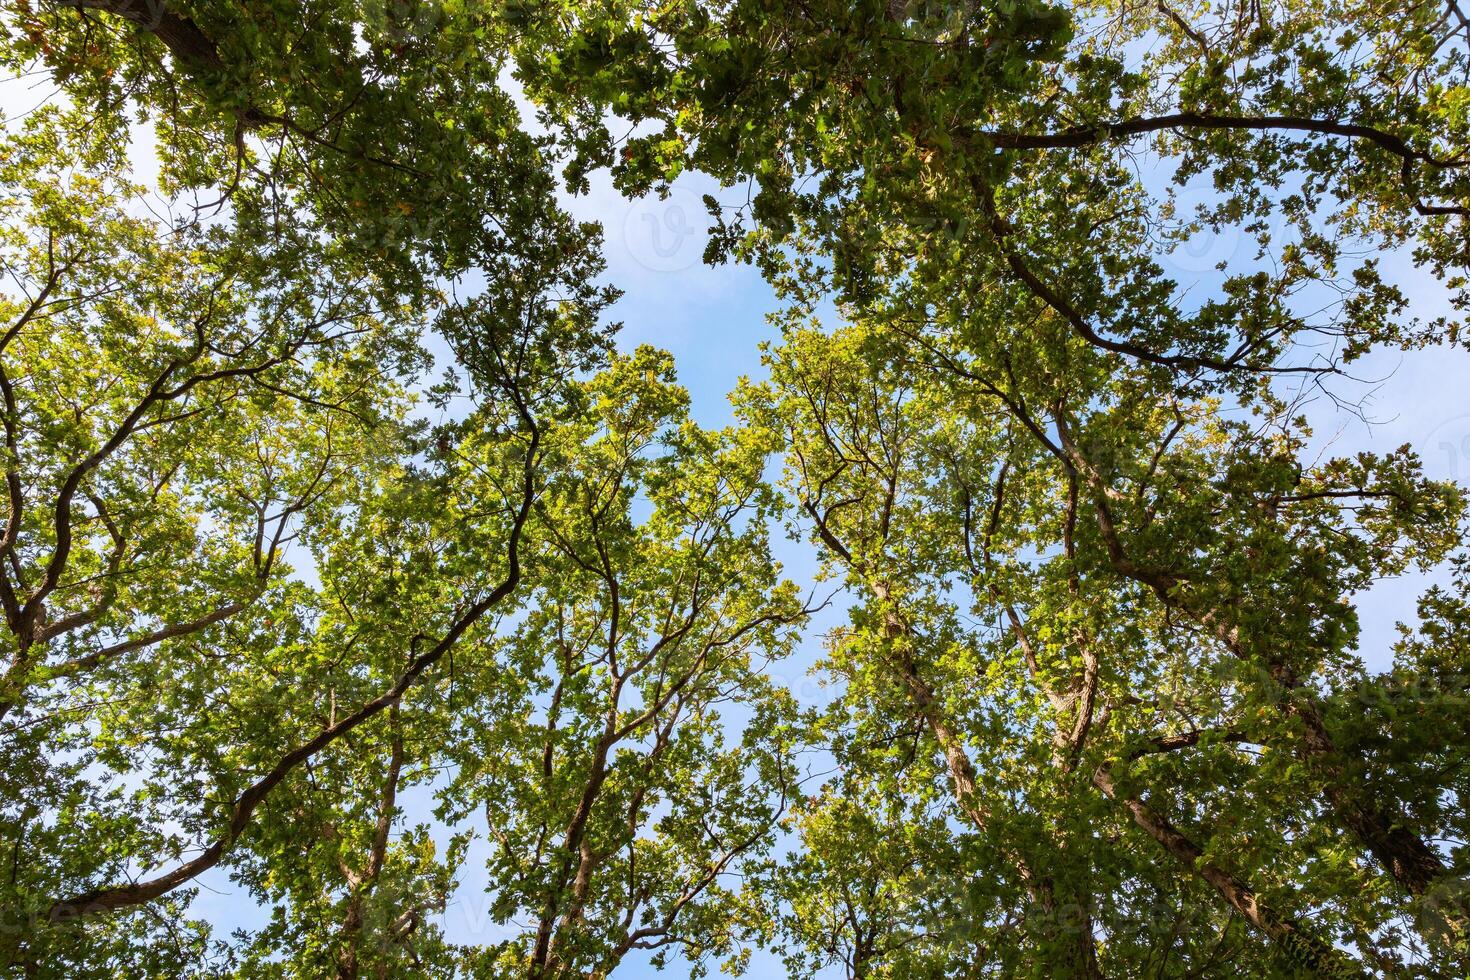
x=278, y=603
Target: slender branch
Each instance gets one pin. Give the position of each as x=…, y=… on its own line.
x=1082, y=136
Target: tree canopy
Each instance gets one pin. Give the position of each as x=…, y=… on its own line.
x=348, y=555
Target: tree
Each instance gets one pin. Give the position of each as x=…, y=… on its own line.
x=919, y=500
x=173, y=408
x=379, y=126
x=1103, y=710
x=181, y=405
x=617, y=807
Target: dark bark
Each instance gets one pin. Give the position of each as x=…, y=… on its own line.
x=190, y=46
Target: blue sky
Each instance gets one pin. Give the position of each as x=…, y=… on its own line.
x=712, y=320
